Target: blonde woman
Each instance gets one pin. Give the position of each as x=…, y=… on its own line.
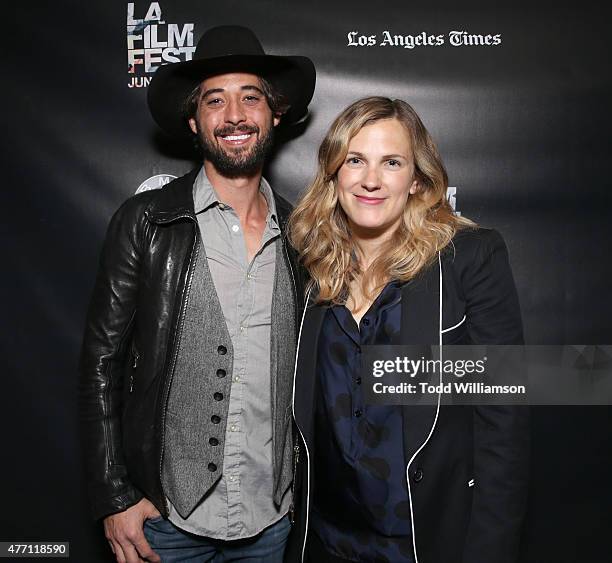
x=391, y=264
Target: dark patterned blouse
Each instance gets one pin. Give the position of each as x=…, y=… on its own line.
x=360, y=508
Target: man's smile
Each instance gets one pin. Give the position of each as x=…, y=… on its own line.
x=236, y=139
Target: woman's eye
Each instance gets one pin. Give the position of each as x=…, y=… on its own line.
x=352, y=160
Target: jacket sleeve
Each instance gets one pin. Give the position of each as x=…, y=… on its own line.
x=501, y=433
x=104, y=353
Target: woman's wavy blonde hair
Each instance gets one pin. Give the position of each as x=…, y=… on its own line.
x=318, y=227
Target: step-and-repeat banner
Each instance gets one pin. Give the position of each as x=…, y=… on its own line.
x=516, y=98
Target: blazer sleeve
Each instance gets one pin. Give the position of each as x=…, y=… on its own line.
x=501, y=433
x=103, y=355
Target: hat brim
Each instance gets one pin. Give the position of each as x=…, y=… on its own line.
x=292, y=76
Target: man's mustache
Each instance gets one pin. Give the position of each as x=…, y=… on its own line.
x=224, y=131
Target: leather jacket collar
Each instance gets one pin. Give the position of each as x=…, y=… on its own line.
x=174, y=201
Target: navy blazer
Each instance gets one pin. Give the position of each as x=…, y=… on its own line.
x=467, y=472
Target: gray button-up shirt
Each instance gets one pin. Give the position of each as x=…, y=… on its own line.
x=240, y=504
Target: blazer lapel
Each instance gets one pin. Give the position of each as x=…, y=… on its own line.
x=420, y=326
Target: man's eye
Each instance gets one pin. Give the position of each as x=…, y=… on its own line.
x=394, y=163
x=213, y=101
x=251, y=99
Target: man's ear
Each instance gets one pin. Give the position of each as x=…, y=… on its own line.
x=277, y=119
x=192, y=125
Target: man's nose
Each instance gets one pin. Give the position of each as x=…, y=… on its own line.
x=234, y=112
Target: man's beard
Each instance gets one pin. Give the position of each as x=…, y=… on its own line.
x=242, y=162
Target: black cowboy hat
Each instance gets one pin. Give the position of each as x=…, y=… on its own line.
x=228, y=48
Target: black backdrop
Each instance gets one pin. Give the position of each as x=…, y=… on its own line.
x=523, y=127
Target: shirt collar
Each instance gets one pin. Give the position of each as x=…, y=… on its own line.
x=267, y=192
x=205, y=197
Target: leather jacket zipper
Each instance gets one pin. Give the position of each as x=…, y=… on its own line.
x=296, y=458
x=134, y=366
x=296, y=447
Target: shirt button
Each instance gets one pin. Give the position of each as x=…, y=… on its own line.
x=236, y=378
x=235, y=228
x=242, y=328
x=221, y=373
x=233, y=428
x=250, y=276
x=358, y=381
x=215, y=419
x=365, y=321
x=221, y=350
x=218, y=396
x=213, y=441
x=232, y=478
x=358, y=413
x=418, y=475
x=212, y=467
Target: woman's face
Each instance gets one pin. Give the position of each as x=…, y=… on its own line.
x=376, y=178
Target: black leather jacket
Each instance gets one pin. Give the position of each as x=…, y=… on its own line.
x=130, y=344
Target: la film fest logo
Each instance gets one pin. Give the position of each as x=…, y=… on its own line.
x=155, y=182
x=151, y=42
x=455, y=39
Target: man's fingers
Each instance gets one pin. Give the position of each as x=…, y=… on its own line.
x=131, y=555
x=144, y=550
x=124, y=531
x=116, y=547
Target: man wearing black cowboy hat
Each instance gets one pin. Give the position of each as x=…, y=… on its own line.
x=188, y=355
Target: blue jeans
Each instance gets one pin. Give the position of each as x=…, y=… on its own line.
x=174, y=545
